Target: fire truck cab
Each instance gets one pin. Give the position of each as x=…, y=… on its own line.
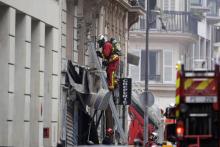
x=197, y=109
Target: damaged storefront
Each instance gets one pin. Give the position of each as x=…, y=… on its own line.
x=77, y=118
x=87, y=104
x=85, y=95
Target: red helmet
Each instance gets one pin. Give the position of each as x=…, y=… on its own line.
x=109, y=131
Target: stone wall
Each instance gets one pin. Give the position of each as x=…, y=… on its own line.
x=30, y=73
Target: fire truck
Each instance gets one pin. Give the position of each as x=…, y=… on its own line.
x=197, y=109
x=136, y=113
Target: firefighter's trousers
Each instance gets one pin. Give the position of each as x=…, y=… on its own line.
x=111, y=70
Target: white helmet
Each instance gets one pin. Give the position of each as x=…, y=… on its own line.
x=113, y=40
x=101, y=37
x=101, y=40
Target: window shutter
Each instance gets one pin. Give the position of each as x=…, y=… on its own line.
x=152, y=64
x=134, y=70
x=169, y=5
x=166, y=5
x=172, y=5
x=168, y=65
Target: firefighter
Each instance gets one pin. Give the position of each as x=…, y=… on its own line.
x=108, y=137
x=110, y=60
x=115, y=46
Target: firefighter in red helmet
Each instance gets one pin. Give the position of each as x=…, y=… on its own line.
x=110, y=60
x=108, y=139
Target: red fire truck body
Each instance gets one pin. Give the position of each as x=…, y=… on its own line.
x=136, y=126
x=136, y=113
x=197, y=110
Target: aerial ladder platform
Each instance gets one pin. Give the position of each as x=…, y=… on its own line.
x=108, y=100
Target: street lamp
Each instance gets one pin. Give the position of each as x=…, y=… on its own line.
x=146, y=74
x=149, y=5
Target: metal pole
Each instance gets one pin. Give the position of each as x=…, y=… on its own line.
x=123, y=110
x=146, y=74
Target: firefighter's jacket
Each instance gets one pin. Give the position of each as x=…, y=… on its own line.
x=113, y=63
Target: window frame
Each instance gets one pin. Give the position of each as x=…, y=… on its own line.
x=168, y=66
x=159, y=55
x=169, y=5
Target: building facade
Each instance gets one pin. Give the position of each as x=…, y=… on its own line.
x=37, y=38
x=170, y=40
x=207, y=48
x=191, y=36
x=30, y=72
x=85, y=20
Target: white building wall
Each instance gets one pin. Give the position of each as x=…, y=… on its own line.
x=37, y=75
x=7, y=62
x=30, y=82
x=21, y=114
x=202, y=30
x=164, y=92
x=45, y=10
x=176, y=47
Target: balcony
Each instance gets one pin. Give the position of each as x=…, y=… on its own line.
x=198, y=6
x=174, y=21
x=135, y=9
x=213, y=19
x=140, y=3
x=213, y=15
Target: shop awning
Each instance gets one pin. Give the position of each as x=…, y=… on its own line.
x=133, y=59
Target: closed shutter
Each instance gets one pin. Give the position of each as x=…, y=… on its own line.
x=168, y=65
x=172, y=5
x=69, y=127
x=152, y=65
x=166, y=5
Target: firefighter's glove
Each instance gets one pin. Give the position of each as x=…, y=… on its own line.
x=105, y=63
x=99, y=54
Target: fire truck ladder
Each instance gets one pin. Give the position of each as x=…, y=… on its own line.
x=105, y=86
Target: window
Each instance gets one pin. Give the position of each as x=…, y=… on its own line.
x=133, y=70
x=169, y=5
x=196, y=2
x=153, y=65
x=142, y=23
x=168, y=66
x=217, y=34
x=212, y=8
x=142, y=3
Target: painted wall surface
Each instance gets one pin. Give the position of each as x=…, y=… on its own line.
x=164, y=93
x=202, y=29
x=30, y=72
x=45, y=10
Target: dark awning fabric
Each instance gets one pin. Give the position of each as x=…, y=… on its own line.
x=77, y=78
x=133, y=59
x=84, y=82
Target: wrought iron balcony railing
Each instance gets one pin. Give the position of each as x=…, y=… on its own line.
x=137, y=3
x=174, y=21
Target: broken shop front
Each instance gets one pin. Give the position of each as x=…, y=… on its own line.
x=84, y=95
